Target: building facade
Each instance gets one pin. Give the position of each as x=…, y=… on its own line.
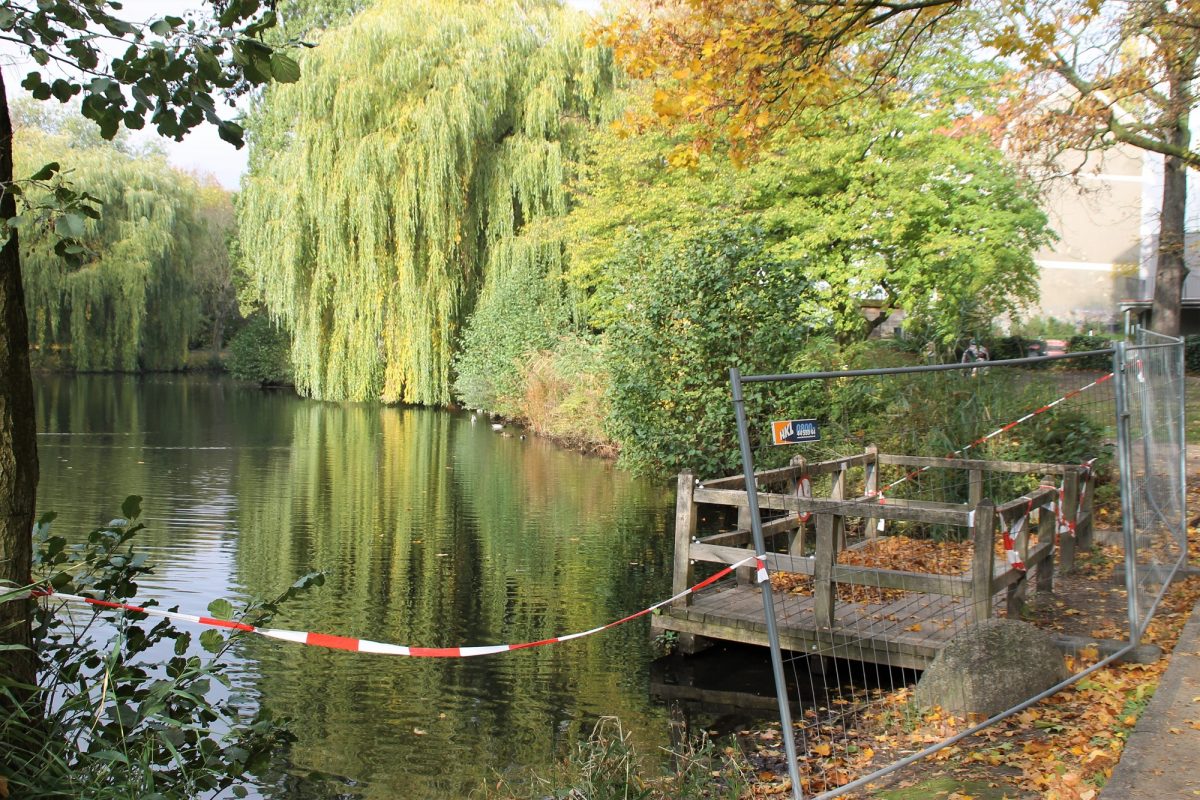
x=1100, y=273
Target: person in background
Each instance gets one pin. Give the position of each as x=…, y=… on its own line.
x=975, y=352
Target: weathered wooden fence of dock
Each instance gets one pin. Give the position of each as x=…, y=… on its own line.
x=907, y=632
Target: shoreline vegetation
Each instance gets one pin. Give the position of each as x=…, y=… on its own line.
x=573, y=410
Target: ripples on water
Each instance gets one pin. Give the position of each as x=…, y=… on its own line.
x=434, y=531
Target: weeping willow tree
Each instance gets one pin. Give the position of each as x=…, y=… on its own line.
x=420, y=160
x=131, y=304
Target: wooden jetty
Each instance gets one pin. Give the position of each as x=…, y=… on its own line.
x=906, y=617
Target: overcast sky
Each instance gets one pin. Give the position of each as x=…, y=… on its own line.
x=202, y=150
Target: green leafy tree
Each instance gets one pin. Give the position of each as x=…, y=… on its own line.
x=696, y=307
x=261, y=352
x=399, y=179
x=519, y=315
x=307, y=18
x=1103, y=73
x=128, y=301
x=212, y=263
x=888, y=208
x=171, y=73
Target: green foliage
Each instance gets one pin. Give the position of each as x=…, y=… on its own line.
x=419, y=165
x=261, y=351
x=1044, y=327
x=1014, y=346
x=212, y=266
x=889, y=209
x=1192, y=353
x=127, y=301
x=711, y=302
x=173, y=65
x=565, y=393
x=608, y=766
x=68, y=122
x=118, y=717
x=307, y=19
x=516, y=317
x=886, y=208
x=1063, y=436
x=936, y=414
x=1081, y=343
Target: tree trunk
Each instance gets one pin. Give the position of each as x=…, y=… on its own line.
x=1166, y=312
x=18, y=442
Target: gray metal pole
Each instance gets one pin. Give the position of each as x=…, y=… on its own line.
x=860, y=373
x=760, y=548
x=1125, y=474
x=1181, y=376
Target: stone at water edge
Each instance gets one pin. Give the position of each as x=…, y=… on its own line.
x=991, y=667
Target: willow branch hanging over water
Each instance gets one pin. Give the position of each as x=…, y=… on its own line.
x=409, y=168
x=131, y=305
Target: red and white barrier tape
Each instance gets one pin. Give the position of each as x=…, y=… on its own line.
x=1058, y=507
x=804, y=492
x=382, y=648
x=880, y=492
x=1011, y=532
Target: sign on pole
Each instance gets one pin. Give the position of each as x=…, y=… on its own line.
x=794, y=431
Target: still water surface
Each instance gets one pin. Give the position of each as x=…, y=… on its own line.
x=434, y=530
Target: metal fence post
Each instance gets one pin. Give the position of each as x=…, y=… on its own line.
x=1124, y=469
x=1181, y=376
x=760, y=549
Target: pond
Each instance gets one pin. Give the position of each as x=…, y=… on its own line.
x=434, y=529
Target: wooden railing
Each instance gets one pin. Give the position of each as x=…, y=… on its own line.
x=979, y=516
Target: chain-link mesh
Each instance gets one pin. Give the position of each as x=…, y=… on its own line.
x=1152, y=470
x=934, y=501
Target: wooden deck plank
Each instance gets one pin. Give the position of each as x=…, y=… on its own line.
x=908, y=631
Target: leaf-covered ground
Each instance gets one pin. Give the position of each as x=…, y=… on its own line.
x=889, y=552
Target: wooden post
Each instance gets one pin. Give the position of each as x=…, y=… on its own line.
x=838, y=492
x=794, y=480
x=1047, y=526
x=872, y=486
x=685, y=531
x=796, y=545
x=1019, y=589
x=744, y=575
x=1014, y=601
x=1084, y=533
x=983, y=537
x=975, y=490
x=823, y=585
x=1070, y=504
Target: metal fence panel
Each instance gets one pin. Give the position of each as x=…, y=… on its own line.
x=1153, y=468
x=912, y=524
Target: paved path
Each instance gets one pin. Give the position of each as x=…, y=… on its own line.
x=1162, y=757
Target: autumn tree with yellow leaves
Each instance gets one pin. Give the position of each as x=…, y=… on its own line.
x=1096, y=73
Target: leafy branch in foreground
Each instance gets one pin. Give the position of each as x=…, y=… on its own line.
x=46, y=199
x=127, y=707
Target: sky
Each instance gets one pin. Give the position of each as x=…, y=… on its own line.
x=202, y=151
